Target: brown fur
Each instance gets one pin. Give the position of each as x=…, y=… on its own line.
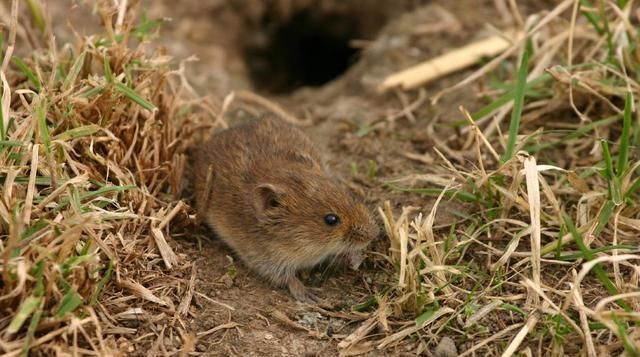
x=262, y=187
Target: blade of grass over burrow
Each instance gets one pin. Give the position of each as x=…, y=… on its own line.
x=137, y=98
x=518, y=103
x=506, y=98
x=588, y=255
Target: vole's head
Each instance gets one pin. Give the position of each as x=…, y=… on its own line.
x=311, y=215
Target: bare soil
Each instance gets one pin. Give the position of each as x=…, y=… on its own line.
x=358, y=127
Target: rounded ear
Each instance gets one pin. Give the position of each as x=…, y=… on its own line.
x=266, y=197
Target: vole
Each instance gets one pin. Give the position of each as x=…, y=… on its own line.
x=264, y=189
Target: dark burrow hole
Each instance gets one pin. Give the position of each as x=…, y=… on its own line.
x=309, y=48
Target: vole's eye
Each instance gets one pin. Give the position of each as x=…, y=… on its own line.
x=273, y=203
x=331, y=219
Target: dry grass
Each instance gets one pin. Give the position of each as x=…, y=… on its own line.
x=91, y=135
x=545, y=258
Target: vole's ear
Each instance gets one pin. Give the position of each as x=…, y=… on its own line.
x=266, y=198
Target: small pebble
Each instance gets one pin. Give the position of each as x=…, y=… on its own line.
x=446, y=348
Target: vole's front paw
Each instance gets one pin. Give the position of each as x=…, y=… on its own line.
x=301, y=292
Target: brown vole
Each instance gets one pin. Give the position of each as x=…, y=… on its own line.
x=263, y=188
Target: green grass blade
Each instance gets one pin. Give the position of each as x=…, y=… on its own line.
x=623, y=151
x=518, y=103
x=629, y=343
x=1, y=47
x=372, y=301
x=593, y=19
x=33, y=326
x=36, y=14
x=42, y=124
x=74, y=72
x=137, y=98
x=103, y=282
x=588, y=255
x=576, y=256
x=38, y=273
x=11, y=143
x=632, y=189
x=79, y=132
x=105, y=190
x=145, y=27
x=31, y=77
x=615, y=187
x=91, y=92
x=73, y=262
x=506, y=98
x=574, y=134
x=513, y=308
x=608, y=161
x=427, y=316
x=28, y=306
x=77, y=198
x=108, y=75
x=70, y=301
x=604, y=216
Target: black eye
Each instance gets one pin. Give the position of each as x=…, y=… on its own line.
x=331, y=219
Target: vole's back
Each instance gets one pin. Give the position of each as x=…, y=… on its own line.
x=233, y=161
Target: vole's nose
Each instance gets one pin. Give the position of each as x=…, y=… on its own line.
x=364, y=234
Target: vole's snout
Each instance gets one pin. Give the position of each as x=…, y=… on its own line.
x=363, y=234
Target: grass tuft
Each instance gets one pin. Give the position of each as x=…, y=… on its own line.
x=90, y=137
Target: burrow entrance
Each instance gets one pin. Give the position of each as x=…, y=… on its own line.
x=309, y=45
